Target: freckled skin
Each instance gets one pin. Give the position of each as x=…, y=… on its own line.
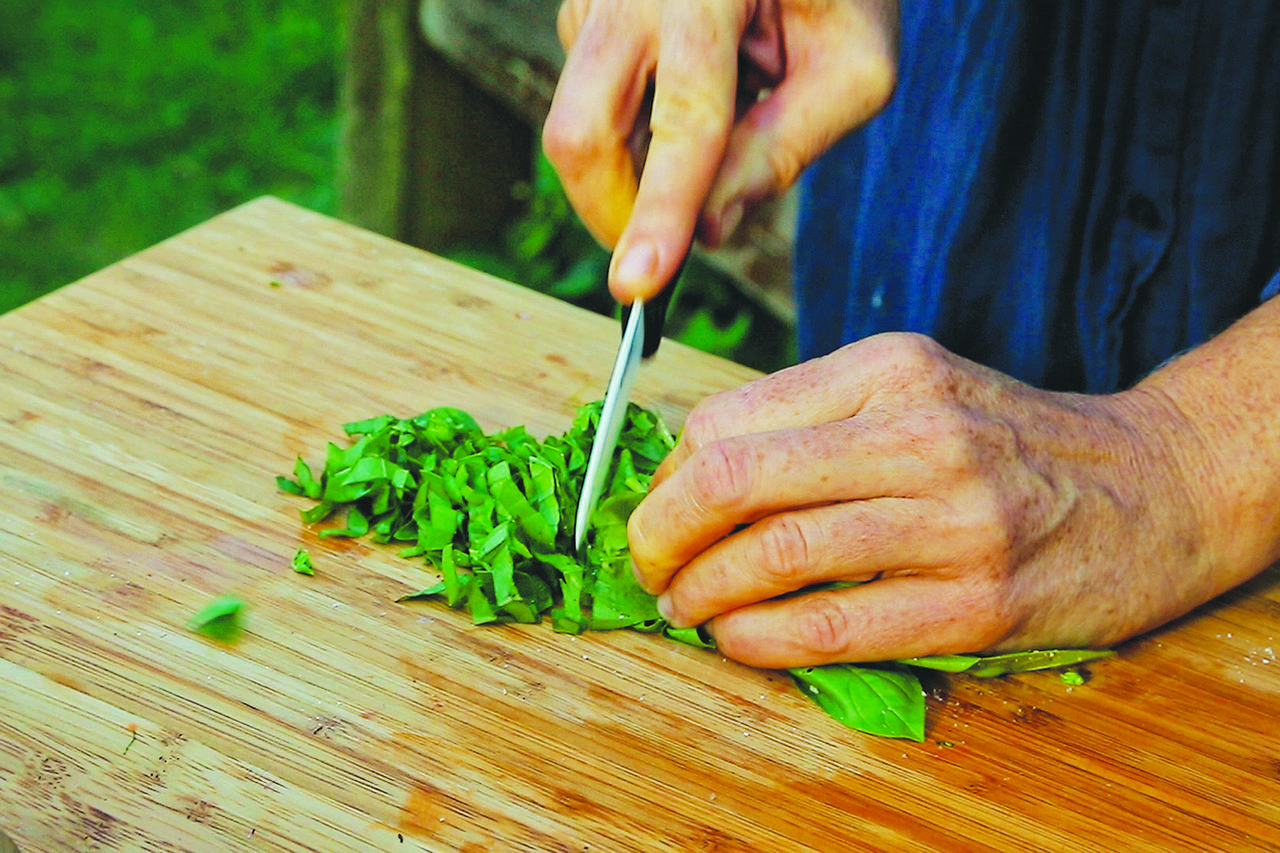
x=987, y=514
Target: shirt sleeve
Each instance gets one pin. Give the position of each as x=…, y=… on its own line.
x=1272, y=288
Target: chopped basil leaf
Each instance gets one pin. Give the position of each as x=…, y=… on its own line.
x=219, y=619
x=302, y=562
x=696, y=637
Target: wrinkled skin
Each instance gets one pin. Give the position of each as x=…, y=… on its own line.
x=990, y=516
x=975, y=513
x=717, y=148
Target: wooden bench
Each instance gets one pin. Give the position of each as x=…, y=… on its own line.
x=441, y=104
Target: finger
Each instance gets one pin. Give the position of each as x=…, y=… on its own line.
x=839, y=73
x=884, y=620
x=817, y=391
x=594, y=111
x=741, y=479
x=569, y=20
x=788, y=551
x=863, y=375
x=695, y=87
x=762, y=49
x=807, y=393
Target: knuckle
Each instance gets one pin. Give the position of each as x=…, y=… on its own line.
x=785, y=551
x=868, y=37
x=569, y=21
x=915, y=354
x=691, y=114
x=699, y=426
x=568, y=144
x=904, y=361
x=875, y=77
x=946, y=432
x=641, y=548
x=708, y=422
x=985, y=535
x=822, y=626
x=964, y=443
x=987, y=520
x=722, y=475
x=786, y=163
x=990, y=619
x=653, y=568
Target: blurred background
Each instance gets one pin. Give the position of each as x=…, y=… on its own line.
x=122, y=124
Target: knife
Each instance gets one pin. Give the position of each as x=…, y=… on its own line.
x=641, y=332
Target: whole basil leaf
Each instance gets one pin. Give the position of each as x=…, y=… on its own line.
x=882, y=700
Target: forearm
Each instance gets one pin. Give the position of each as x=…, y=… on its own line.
x=1224, y=398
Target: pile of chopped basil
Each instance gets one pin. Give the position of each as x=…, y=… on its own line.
x=493, y=515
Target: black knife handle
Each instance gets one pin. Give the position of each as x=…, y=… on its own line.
x=655, y=314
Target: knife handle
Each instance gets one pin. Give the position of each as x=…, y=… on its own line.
x=655, y=313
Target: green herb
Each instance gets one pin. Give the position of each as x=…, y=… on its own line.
x=1072, y=677
x=219, y=619
x=995, y=665
x=492, y=516
x=492, y=513
x=302, y=562
x=690, y=637
x=881, y=700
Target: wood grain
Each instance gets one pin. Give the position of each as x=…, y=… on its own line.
x=145, y=412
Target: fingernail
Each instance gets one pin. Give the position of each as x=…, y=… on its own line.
x=636, y=264
x=664, y=606
x=730, y=219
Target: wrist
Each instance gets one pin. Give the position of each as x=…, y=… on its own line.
x=1217, y=410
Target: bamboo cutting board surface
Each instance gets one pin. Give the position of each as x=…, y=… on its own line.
x=144, y=413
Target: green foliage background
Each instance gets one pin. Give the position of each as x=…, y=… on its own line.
x=122, y=124
x=548, y=249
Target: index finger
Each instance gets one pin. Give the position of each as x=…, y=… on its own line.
x=594, y=112
x=740, y=480
x=866, y=374
x=812, y=392
x=695, y=90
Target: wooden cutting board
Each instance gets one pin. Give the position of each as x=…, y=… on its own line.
x=144, y=414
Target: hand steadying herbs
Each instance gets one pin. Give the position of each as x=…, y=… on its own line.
x=492, y=514
x=1005, y=179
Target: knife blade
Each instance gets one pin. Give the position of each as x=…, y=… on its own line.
x=641, y=333
x=612, y=414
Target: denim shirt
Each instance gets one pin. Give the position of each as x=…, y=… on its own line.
x=1069, y=192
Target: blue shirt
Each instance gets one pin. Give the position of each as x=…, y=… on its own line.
x=1069, y=192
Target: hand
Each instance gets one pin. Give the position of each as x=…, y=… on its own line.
x=745, y=93
x=977, y=513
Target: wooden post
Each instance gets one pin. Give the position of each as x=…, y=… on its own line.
x=426, y=156
x=466, y=152
x=377, y=66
